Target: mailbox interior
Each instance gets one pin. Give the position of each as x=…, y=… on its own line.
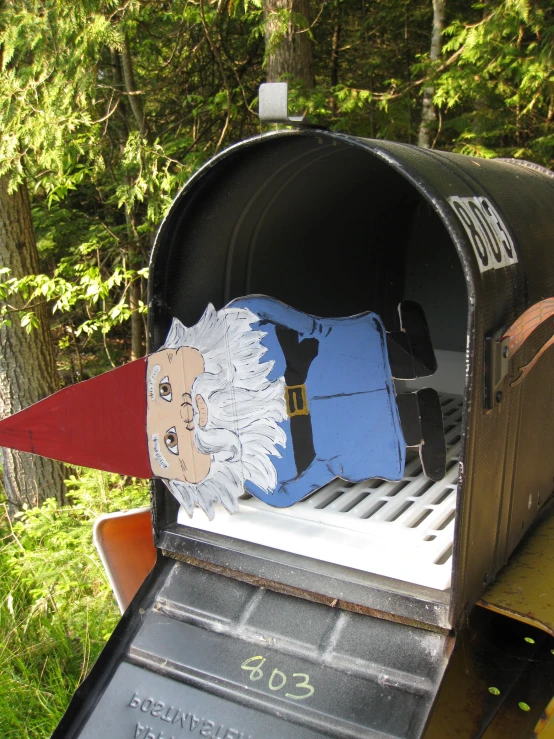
x=331, y=229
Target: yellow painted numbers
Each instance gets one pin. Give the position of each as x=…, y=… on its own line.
x=304, y=685
x=276, y=680
x=255, y=670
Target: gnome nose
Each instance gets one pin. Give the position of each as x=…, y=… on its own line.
x=187, y=412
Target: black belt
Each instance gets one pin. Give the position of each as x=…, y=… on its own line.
x=298, y=357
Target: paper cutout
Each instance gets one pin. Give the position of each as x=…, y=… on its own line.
x=257, y=397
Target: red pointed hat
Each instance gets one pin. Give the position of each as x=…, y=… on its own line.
x=98, y=423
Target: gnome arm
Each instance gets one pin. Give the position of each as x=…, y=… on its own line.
x=273, y=311
x=318, y=474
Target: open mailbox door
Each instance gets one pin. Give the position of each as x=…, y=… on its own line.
x=337, y=616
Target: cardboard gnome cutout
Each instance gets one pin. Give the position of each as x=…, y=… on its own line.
x=257, y=398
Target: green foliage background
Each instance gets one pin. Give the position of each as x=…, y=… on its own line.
x=56, y=606
x=103, y=156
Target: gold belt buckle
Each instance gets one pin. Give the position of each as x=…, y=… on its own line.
x=297, y=400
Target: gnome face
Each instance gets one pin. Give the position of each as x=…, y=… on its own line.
x=201, y=414
x=171, y=419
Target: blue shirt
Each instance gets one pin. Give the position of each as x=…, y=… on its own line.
x=350, y=396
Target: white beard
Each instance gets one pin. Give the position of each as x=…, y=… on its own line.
x=244, y=409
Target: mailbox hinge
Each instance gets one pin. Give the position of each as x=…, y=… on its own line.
x=497, y=356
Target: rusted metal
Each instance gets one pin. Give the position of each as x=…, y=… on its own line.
x=524, y=589
x=278, y=587
x=545, y=725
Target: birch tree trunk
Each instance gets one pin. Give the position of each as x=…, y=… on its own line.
x=428, y=112
x=288, y=44
x=335, y=40
x=27, y=367
x=124, y=78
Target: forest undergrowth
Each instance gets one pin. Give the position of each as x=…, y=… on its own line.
x=57, y=609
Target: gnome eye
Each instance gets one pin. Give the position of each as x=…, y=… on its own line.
x=165, y=389
x=171, y=440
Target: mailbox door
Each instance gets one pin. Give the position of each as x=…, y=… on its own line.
x=203, y=654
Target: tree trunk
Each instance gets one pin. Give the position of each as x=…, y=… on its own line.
x=288, y=44
x=135, y=101
x=428, y=113
x=335, y=45
x=124, y=78
x=137, y=349
x=27, y=366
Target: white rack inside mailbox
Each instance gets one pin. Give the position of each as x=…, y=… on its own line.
x=402, y=530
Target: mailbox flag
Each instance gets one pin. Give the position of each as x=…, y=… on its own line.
x=99, y=423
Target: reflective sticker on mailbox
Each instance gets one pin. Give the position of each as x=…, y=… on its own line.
x=490, y=238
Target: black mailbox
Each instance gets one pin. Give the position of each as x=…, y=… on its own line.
x=384, y=573
x=335, y=225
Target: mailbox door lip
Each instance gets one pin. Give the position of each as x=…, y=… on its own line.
x=310, y=579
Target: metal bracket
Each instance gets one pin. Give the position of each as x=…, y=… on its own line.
x=497, y=355
x=274, y=105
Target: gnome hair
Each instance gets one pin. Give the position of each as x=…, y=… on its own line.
x=244, y=409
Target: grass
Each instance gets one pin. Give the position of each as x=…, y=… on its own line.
x=56, y=606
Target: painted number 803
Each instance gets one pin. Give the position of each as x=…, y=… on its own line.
x=277, y=679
